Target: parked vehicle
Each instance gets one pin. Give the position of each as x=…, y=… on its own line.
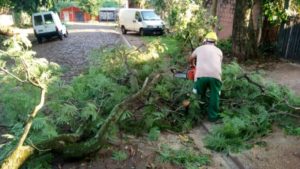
x=140, y=20
x=47, y=25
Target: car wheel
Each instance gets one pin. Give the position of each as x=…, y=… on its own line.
x=142, y=32
x=66, y=34
x=124, y=31
x=40, y=40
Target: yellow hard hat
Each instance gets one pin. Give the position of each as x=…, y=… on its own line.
x=211, y=36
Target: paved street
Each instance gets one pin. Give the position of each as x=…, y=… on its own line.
x=71, y=53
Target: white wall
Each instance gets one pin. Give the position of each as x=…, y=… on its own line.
x=6, y=20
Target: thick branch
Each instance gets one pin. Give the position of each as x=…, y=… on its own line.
x=77, y=150
x=21, y=153
x=12, y=75
x=32, y=116
x=262, y=89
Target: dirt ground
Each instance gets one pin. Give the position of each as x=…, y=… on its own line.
x=280, y=152
x=287, y=74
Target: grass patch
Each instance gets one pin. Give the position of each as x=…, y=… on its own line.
x=185, y=157
x=173, y=46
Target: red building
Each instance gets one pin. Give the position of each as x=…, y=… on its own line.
x=74, y=14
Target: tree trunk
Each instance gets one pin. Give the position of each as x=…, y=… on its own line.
x=243, y=37
x=258, y=20
x=133, y=4
x=214, y=7
x=213, y=11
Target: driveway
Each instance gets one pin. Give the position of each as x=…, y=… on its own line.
x=71, y=53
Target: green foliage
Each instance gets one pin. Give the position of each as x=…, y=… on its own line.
x=18, y=105
x=153, y=134
x=192, y=23
x=22, y=19
x=23, y=75
x=172, y=45
x=248, y=112
x=274, y=11
x=225, y=46
x=187, y=158
x=30, y=6
x=119, y=155
x=40, y=162
x=189, y=20
x=25, y=95
x=110, y=3
x=90, y=6
x=64, y=4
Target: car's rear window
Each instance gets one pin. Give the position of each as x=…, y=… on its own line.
x=48, y=18
x=38, y=20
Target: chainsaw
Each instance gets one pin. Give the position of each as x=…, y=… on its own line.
x=188, y=74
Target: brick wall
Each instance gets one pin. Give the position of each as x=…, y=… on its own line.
x=225, y=13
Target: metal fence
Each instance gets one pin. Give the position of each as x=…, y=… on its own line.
x=288, y=43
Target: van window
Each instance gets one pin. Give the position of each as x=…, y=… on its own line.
x=150, y=15
x=48, y=19
x=38, y=20
x=138, y=16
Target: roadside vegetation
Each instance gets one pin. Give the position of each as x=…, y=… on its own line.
x=132, y=91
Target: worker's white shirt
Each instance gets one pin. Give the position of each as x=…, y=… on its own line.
x=209, y=61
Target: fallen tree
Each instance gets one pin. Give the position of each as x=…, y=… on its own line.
x=85, y=112
x=70, y=145
x=38, y=73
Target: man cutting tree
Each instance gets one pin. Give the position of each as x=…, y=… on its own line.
x=208, y=73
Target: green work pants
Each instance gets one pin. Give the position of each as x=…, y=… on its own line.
x=214, y=86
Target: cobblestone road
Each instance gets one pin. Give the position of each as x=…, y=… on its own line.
x=71, y=53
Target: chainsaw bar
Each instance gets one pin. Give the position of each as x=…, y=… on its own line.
x=180, y=75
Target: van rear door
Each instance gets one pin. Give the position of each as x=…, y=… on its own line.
x=49, y=25
x=38, y=23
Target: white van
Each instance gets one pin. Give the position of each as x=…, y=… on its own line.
x=140, y=20
x=48, y=24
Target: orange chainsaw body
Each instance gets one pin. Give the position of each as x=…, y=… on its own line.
x=190, y=75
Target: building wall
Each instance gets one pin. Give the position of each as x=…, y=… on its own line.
x=69, y=14
x=225, y=13
x=6, y=20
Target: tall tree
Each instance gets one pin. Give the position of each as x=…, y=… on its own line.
x=243, y=34
x=214, y=7
x=90, y=6
x=27, y=5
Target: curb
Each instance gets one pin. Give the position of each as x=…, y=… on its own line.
x=124, y=39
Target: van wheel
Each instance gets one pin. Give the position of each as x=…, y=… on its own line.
x=66, y=34
x=142, y=32
x=60, y=35
x=40, y=40
x=124, y=31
